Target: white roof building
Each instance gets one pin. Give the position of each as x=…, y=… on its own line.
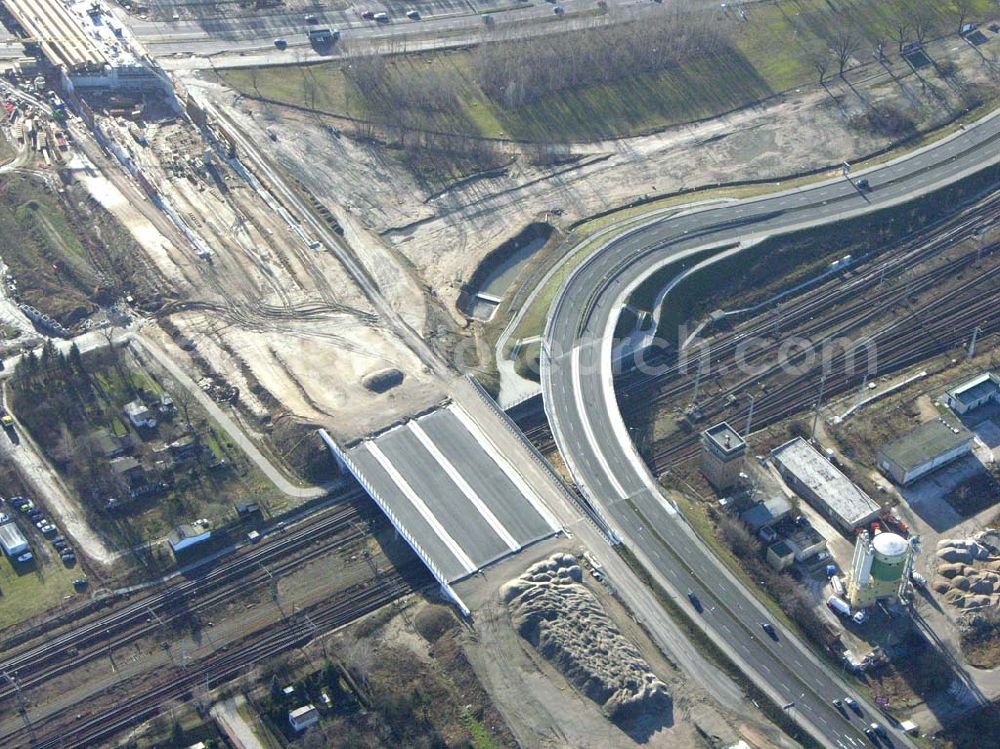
x=823, y=485
x=12, y=540
x=302, y=717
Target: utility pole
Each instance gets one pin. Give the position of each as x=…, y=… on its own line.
x=819, y=404
x=864, y=383
x=746, y=434
x=697, y=384
x=972, y=344
x=22, y=707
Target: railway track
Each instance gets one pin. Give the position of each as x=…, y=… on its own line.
x=830, y=310
x=70, y=728
x=337, y=528
x=924, y=332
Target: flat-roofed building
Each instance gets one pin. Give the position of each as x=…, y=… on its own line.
x=722, y=453
x=930, y=446
x=971, y=394
x=813, y=477
x=83, y=40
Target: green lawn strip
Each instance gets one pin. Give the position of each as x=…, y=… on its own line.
x=707, y=646
x=35, y=590
x=769, y=52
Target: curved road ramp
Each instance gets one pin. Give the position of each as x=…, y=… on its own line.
x=448, y=491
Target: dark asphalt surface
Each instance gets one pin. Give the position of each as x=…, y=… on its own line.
x=580, y=405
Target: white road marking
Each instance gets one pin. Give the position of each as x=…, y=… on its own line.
x=455, y=475
x=587, y=428
x=506, y=467
x=420, y=507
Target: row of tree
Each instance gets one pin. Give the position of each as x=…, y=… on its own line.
x=515, y=73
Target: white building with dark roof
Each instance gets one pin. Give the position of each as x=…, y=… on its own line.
x=971, y=394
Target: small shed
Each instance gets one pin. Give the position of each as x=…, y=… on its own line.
x=12, y=540
x=140, y=415
x=248, y=512
x=302, y=717
x=767, y=513
x=183, y=537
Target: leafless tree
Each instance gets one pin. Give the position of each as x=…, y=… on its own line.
x=902, y=29
x=964, y=10
x=846, y=43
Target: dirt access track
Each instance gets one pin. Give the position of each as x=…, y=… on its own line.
x=281, y=321
x=442, y=237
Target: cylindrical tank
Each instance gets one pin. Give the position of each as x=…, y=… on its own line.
x=889, y=564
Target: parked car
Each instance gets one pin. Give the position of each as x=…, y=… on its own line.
x=59, y=539
x=35, y=514
x=368, y=15
x=413, y=15
x=4, y=517
x=80, y=583
x=281, y=43
x=381, y=17
x=558, y=10
x=311, y=19
x=60, y=545
x=48, y=530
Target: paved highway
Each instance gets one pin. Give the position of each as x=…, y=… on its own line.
x=241, y=41
x=592, y=437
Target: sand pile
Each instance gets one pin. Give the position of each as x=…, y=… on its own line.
x=569, y=627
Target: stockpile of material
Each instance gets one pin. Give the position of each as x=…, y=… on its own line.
x=563, y=620
x=968, y=572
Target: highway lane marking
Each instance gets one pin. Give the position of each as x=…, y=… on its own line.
x=459, y=480
x=587, y=428
x=419, y=506
x=506, y=466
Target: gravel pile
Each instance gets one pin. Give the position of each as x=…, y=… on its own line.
x=968, y=572
x=566, y=624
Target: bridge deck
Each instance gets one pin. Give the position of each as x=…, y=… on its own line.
x=463, y=505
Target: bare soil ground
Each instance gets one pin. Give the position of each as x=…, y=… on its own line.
x=282, y=322
x=443, y=236
x=544, y=710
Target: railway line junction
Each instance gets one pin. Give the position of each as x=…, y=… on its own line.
x=463, y=489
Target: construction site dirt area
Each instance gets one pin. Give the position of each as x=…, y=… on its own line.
x=540, y=702
x=444, y=233
x=257, y=307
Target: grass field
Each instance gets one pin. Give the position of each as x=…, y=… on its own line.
x=774, y=49
x=66, y=254
x=27, y=592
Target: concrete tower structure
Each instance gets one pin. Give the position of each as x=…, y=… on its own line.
x=879, y=569
x=722, y=453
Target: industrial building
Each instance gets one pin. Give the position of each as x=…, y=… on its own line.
x=879, y=569
x=12, y=540
x=971, y=394
x=811, y=475
x=82, y=39
x=722, y=453
x=931, y=445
